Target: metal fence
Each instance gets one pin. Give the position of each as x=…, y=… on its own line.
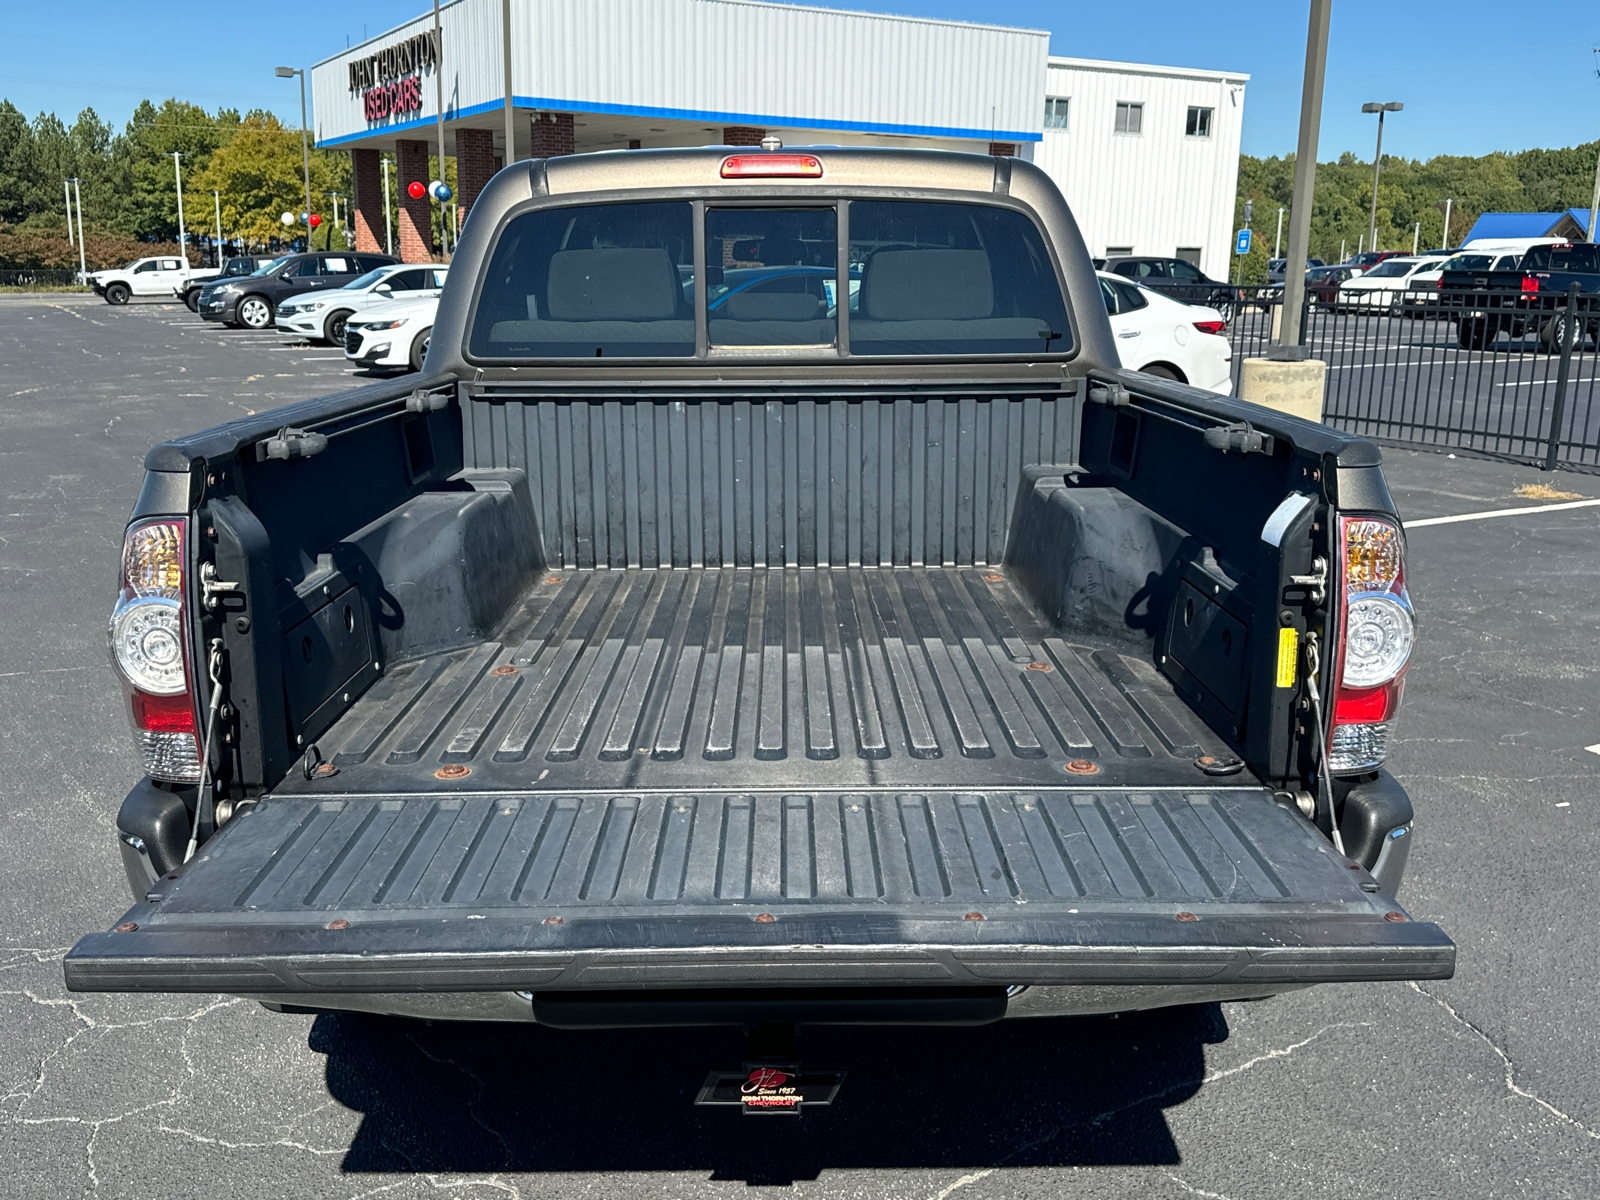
x=39, y=277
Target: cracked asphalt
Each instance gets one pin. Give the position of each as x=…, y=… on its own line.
x=1487, y=1085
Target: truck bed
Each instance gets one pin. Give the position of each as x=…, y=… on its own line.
x=667, y=779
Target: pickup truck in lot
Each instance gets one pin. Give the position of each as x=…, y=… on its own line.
x=163, y=275
x=1533, y=295
x=902, y=661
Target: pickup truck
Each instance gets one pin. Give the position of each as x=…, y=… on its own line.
x=1533, y=295
x=163, y=275
x=904, y=661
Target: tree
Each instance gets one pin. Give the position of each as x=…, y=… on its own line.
x=258, y=174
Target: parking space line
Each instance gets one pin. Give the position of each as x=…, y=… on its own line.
x=1501, y=512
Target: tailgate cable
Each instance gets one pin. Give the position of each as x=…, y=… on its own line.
x=1324, y=784
x=202, y=802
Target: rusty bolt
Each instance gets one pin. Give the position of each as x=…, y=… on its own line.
x=506, y=669
x=973, y=916
x=765, y=918
x=554, y=921
x=995, y=578
x=1187, y=916
x=1082, y=766
x=338, y=923
x=553, y=579
x=1395, y=916
x=453, y=771
x=1037, y=666
x=127, y=927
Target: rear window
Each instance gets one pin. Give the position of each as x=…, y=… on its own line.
x=918, y=278
x=1579, y=257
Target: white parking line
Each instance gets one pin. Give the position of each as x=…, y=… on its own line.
x=1547, y=380
x=1594, y=749
x=1503, y=512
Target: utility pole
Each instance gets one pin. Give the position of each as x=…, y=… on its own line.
x=505, y=45
x=388, y=231
x=1305, y=175
x=305, y=141
x=216, y=198
x=177, y=175
x=438, y=92
x=66, y=186
x=1277, y=238
x=1377, y=162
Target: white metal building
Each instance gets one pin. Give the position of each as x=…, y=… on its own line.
x=617, y=74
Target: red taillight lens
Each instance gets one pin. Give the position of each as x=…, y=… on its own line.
x=768, y=166
x=1530, y=284
x=149, y=647
x=1378, y=631
x=1211, y=326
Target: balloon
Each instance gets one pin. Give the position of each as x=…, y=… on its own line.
x=315, y=220
x=440, y=191
x=416, y=190
x=287, y=218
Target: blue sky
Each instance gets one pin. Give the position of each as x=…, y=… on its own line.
x=1474, y=76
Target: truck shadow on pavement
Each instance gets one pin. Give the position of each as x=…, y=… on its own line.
x=1041, y=1092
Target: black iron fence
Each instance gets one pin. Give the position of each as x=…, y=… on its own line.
x=39, y=277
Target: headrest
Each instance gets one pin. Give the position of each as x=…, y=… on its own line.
x=927, y=285
x=769, y=306
x=624, y=284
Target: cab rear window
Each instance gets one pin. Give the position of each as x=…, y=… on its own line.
x=915, y=278
x=1579, y=257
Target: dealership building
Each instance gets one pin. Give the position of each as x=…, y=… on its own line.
x=1147, y=156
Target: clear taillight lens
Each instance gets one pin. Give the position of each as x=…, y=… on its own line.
x=1379, y=633
x=149, y=650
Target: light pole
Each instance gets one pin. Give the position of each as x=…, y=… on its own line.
x=1445, y=245
x=83, y=262
x=1416, y=233
x=1377, y=163
x=217, y=199
x=438, y=92
x=66, y=186
x=1277, y=238
x=177, y=177
x=388, y=230
x=1305, y=177
x=305, y=141
x=505, y=45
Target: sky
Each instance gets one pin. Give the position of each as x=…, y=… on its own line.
x=1474, y=76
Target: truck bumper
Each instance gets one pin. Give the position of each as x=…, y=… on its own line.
x=363, y=895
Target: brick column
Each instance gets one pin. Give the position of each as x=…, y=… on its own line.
x=416, y=225
x=474, y=165
x=366, y=213
x=553, y=135
x=742, y=135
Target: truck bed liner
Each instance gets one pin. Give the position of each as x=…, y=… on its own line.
x=808, y=678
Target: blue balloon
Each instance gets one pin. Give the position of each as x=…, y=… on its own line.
x=440, y=192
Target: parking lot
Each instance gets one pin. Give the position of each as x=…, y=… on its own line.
x=1485, y=1086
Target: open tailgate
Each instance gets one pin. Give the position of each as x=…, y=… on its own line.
x=487, y=892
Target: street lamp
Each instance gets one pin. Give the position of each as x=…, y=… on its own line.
x=305, y=144
x=177, y=176
x=1377, y=163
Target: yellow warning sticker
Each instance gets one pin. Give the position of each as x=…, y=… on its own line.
x=1288, y=656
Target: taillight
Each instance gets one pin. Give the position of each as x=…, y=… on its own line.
x=1211, y=326
x=1530, y=284
x=149, y=647
x=1379, y=631
x=766, y=165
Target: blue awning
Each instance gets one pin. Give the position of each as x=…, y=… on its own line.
x=1508, y=226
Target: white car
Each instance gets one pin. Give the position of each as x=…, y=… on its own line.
x=393, y=334
x=1168, y=338
x=1385, y=285
x=164, y=276
x=321, y=316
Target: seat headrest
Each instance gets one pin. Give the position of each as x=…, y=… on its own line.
x=621, y=284
x=927, y=285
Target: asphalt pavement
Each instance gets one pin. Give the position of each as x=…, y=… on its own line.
x=1487, y=1085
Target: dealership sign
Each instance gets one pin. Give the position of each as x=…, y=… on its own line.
x=390, y=80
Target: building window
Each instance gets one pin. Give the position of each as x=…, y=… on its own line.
x=1189, y=254
x=1199, y=123
x=1130, y=117
x=1055, y=112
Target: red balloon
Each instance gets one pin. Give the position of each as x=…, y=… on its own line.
x=315, y=220
x=416, y=190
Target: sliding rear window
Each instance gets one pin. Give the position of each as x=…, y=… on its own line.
x=611, y=280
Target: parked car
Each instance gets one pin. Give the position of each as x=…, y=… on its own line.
x=163, y=275
x=1370, y=258
x=252, y=300
x=392, y=334
x=321, y=315
x=601, y=677
x=1323, y=283
x=1382, y=288
x=1532, y=295
x=234, y=268
x=1174, y=277
x=1168, y=338
x=1422, y=297
x=1275, y=268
